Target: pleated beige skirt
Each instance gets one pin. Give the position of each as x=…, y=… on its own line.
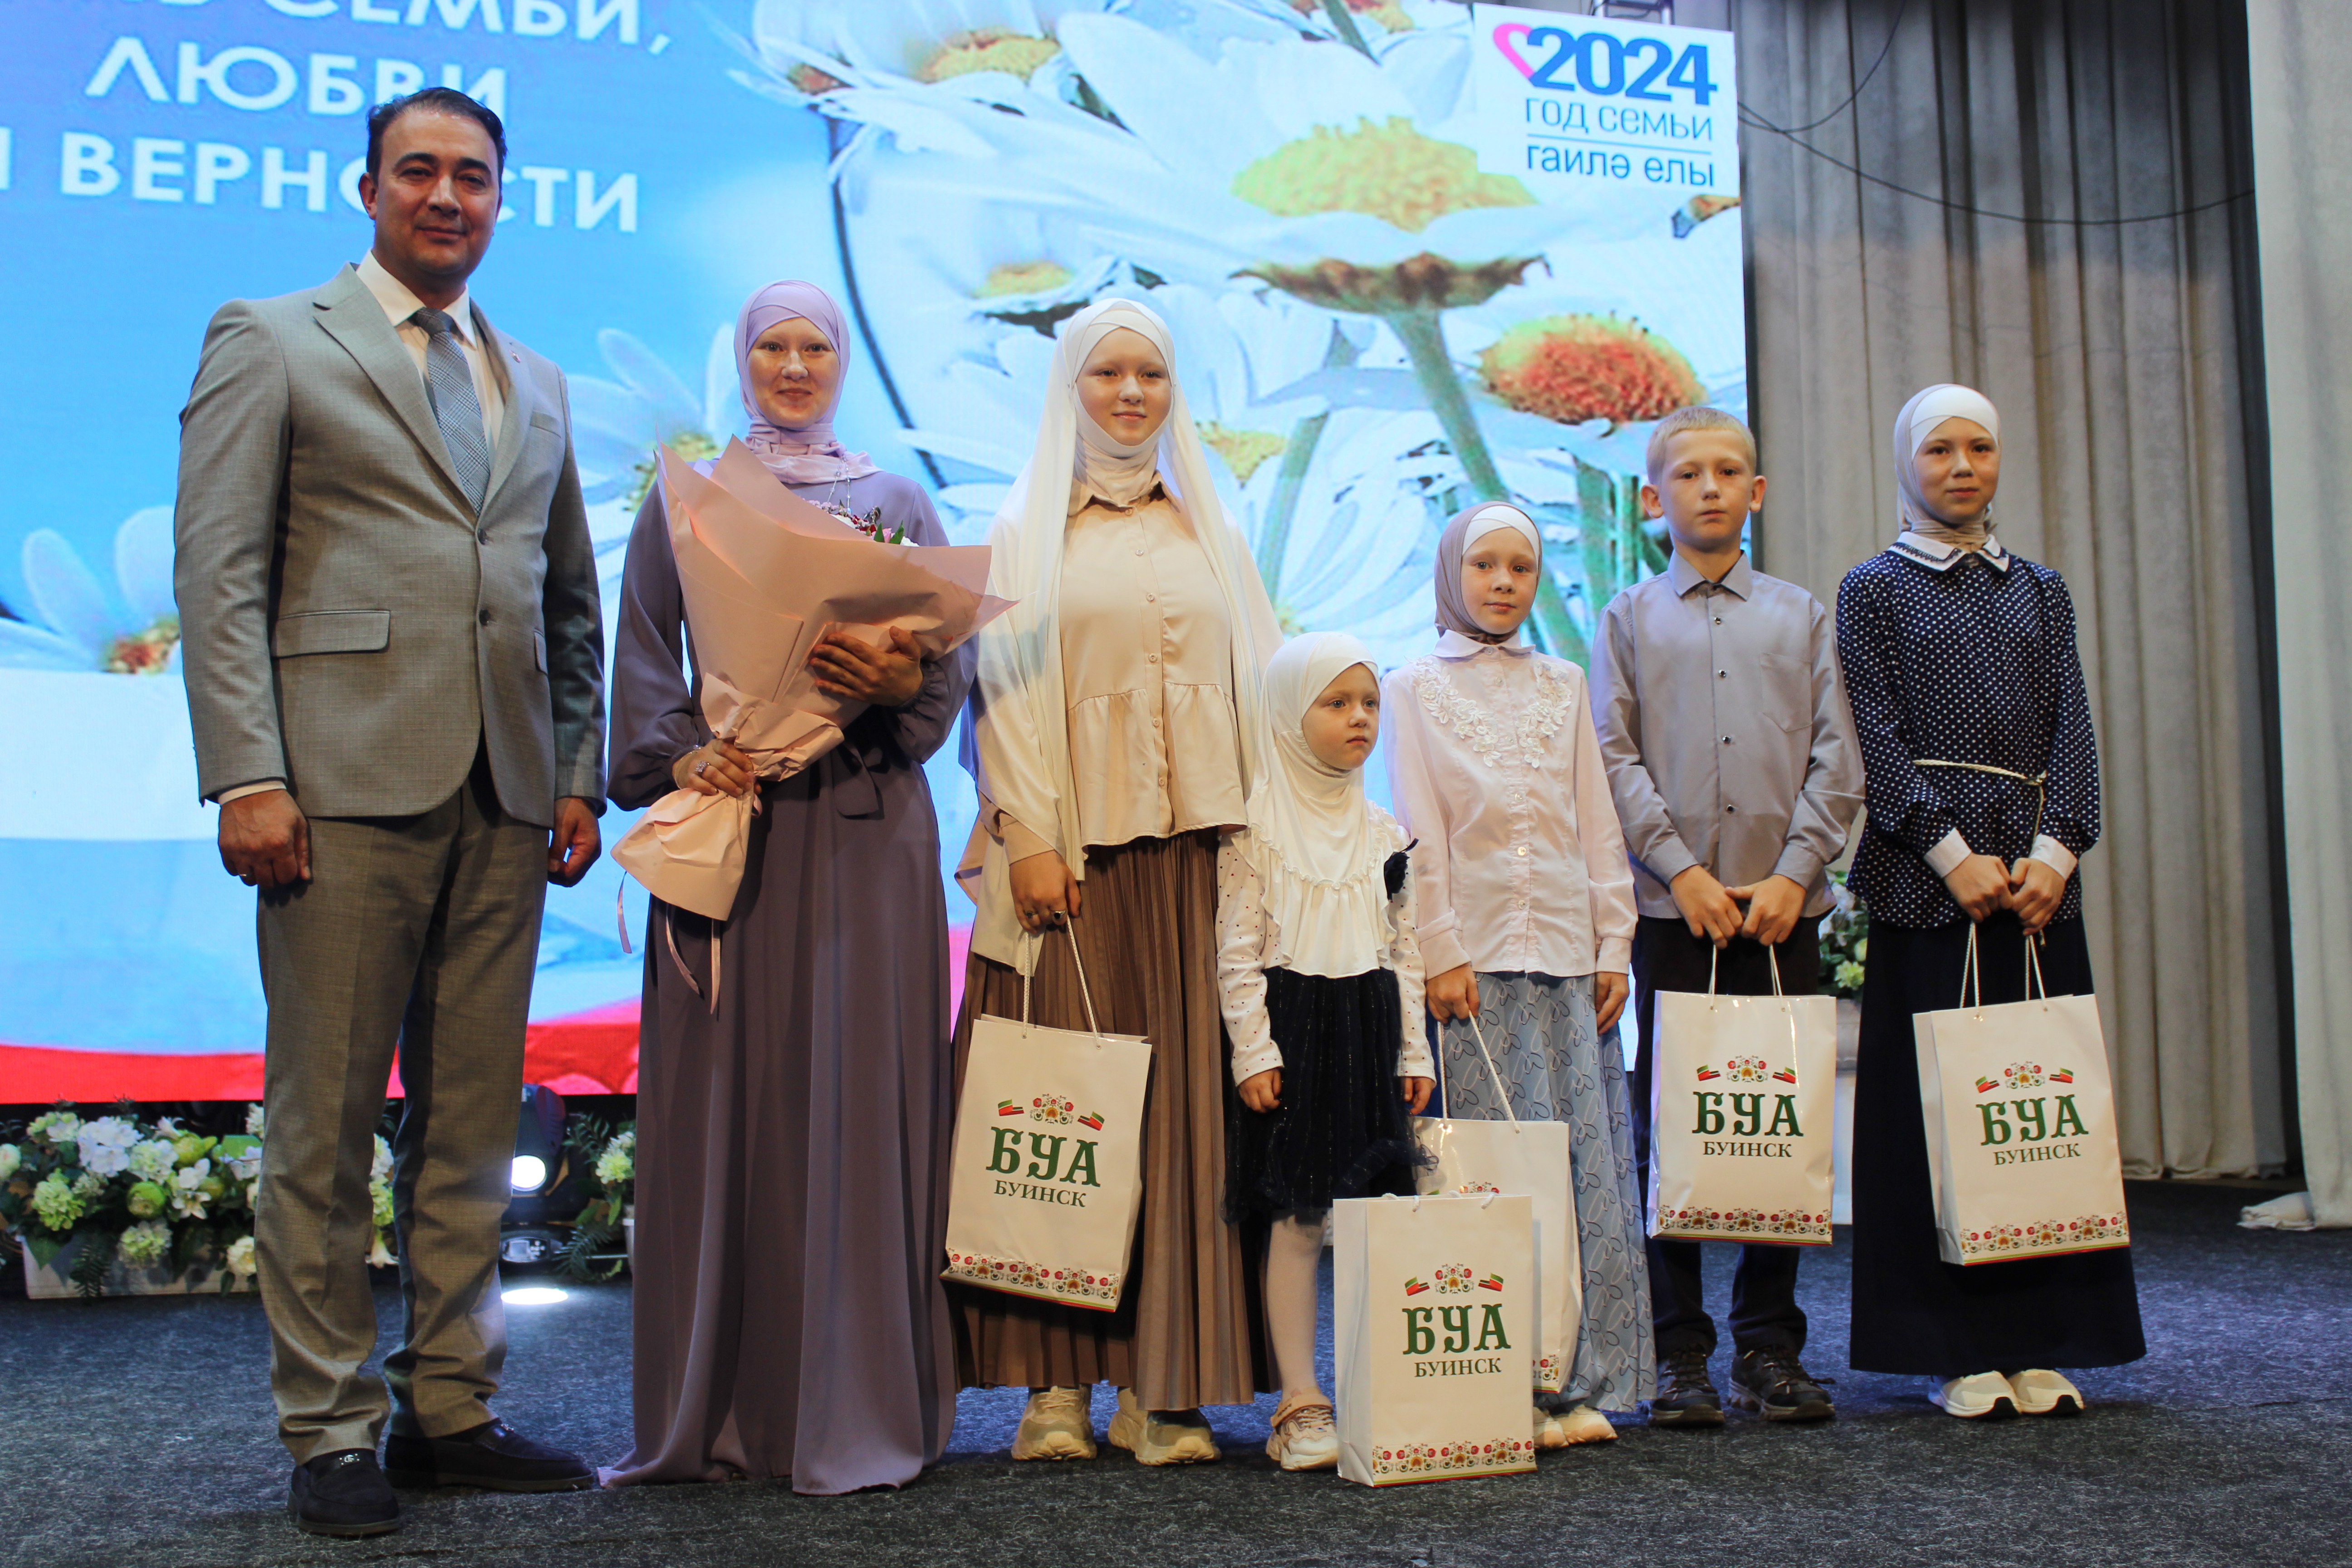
x=1188, y=1330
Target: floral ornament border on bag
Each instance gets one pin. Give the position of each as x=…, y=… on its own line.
x=1023, y=1278
x=1776, y=1225
x=1434, y=1460
x=2047, y=1237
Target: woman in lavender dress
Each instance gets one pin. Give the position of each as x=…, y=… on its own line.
x=793, y=1139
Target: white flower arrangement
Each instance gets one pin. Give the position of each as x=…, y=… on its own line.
x=148, y=1193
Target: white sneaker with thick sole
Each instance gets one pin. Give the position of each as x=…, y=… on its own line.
x=1304, y=1437
x=1583, y=1424
x=1976, y=1397
x=2040, y=1392
x=1160, y=1436
x=1057, y=1425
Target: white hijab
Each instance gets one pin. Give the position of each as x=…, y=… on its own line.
x=1311, y=838
x=1020, y=705
x=1918, y=420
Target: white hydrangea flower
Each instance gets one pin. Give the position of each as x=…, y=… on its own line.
x=152, y=1159
x=188, y=1198
x=241, y=1261
x=380, y=1202
x=106, y=1144
x=381, y=1170
x=9, y=1159
x=148, y=1242
x=618, y=1163
x=60, y=1127
x=255, y=1118
x=89, y=1185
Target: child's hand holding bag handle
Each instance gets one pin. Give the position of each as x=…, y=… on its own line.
x=2020, y=1123
x=1520, y=1158
x=1046, y=1180
x=1742, y=1099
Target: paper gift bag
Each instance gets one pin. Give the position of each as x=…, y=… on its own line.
x=1432, y=1310
x=1743, y=1093
x=1529, y=1160
x=2021, y=1151
x=1046, y=1178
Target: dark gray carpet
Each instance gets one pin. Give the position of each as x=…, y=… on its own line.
x=137, y=1433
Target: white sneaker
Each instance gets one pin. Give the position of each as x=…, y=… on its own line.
x=1977, y=1396
x=2040, y=1392
x=1547, y=1430
x=1304, y=1437
x=1583, y=1424
x=1057, y=1425
x=1160, y=1436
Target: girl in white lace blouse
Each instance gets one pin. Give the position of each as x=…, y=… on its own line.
x=1526, y=917
x=1320, y=984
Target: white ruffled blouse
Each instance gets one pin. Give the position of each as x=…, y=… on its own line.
x=1249, y=943
x=1496, y=770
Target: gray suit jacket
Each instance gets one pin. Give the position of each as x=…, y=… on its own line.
x=348, y=624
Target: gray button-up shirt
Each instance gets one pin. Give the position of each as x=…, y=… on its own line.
x=1724, y=730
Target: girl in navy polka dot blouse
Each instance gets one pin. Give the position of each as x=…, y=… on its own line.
x=1983, y=791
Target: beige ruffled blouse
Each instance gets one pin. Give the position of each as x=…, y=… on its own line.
x=1147, y=668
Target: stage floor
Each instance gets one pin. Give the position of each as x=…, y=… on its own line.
x=137, y=1432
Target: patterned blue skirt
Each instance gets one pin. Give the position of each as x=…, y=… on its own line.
x=1557, y=1066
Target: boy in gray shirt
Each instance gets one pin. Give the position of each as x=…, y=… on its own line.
x=1731, y=754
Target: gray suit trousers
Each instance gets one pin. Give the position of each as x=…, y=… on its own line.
x=420, y=934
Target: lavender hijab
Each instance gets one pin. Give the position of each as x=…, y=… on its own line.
x=1469, y=525
x=809, y=455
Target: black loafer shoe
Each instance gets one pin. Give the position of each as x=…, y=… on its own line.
x=493, y=1456
x=342, y=1493
x=1770, y=1380
x=1687, y=1396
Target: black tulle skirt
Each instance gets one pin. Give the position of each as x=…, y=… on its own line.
x=1341, y=1130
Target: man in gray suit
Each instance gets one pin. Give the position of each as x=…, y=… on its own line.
x=394, y=660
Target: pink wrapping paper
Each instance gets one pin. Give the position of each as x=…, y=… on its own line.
x=763, y=572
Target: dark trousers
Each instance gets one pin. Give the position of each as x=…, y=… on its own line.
x=1764, y=1309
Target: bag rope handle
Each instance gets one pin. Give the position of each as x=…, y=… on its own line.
x=1085, y=994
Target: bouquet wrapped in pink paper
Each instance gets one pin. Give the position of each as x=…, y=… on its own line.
x=763, y=573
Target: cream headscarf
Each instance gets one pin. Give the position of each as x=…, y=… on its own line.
x=1020, y=708
x=1311, y=838
x=1916, y=422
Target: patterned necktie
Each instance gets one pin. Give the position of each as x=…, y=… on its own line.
x=455, y=407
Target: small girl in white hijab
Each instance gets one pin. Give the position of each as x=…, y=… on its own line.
x=1321, y=984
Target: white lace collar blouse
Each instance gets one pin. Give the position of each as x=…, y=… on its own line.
x=1494, y=766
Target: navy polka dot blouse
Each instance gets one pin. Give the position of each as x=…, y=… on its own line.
x=1973, y=663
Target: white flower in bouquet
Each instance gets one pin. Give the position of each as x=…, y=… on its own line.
x=241, y=1261
x=60, y=1127
x=88, y=1185
x=189, y=1199
x=379, y=1254
x=152, y=1159
x=148, y=1242
x=9, y=1159
x=618, y=1163
x=380, y=1169
x=145, y=1200
x=255, y=1118
x=106, y=1144
x=252, y=1196
x=380, y=1201
x=54, y=1203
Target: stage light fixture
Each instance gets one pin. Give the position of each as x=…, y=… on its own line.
x=530, y=1174
x=539, y=1138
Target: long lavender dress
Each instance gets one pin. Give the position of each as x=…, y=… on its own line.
x=792, y=1148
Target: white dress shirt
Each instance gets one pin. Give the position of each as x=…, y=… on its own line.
x=1496, y=770
x=400, y=302
x=1249, y=943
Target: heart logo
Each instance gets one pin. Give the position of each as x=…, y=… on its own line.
x=1507, y=37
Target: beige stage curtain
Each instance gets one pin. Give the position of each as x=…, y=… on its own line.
x=2118, y=355
x=2301, y=122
